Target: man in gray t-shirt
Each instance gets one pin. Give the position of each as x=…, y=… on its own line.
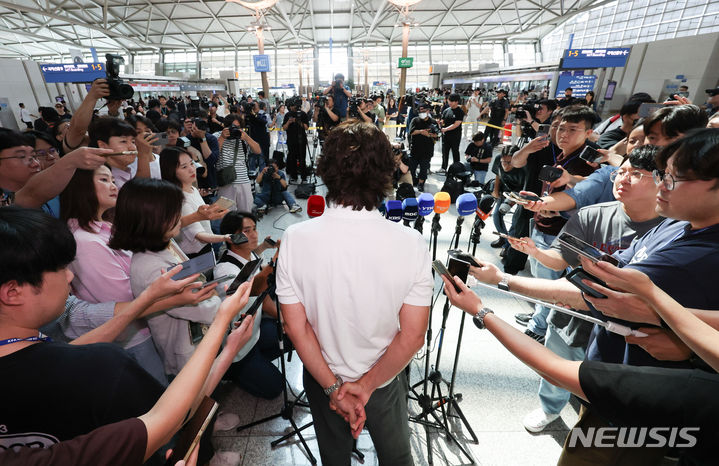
x=609, y=227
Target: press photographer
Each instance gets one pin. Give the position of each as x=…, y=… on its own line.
x=233, y=179
x=423, y=134
x=274, y=189
x=257, y=123
x=340, y=93
x=207, y=144
x=326, y=118
x=295, y=124
x=452, y=118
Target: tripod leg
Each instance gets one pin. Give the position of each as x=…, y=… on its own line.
x=453, y=438
x=297, y=431
x=461, y=415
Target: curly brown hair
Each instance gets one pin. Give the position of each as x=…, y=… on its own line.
x=356, y=165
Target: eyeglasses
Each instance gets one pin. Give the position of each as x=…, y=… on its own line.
x=634, y=175
x=25, y=159
x=45, y=154
x=668, y=180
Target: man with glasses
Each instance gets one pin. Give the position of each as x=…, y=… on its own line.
x=610, y=227
x=680, y=255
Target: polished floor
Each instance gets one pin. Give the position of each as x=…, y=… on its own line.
x=497, y=390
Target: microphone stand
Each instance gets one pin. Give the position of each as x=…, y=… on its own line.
x=418, y=224
x=430, y=403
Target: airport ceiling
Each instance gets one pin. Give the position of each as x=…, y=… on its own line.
x=33, y=28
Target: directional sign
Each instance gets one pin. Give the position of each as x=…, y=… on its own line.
x=580, y=84
x=594, y=58
x=262, y=63
x=72, y=72
x=405, y=62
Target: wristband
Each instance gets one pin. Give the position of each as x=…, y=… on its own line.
x=334, y=387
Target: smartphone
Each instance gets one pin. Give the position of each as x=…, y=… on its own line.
x=590, y=154
x=224, y=203
x=271, y=242
x=549, y=173
x=505, y=236
x=458, y=267
x=543, y=131
x=221, y=279
x=525, y=197
x=189, y=436
x=124, y=152
x=247, y=272
x=198, y=264
x=238, y=238
x=439, y=267
x=463, y=256
x=647, y=109
x=576, y=276
x=162, y=139
x=585, y=249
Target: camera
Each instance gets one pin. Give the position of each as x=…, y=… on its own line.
x=235, y=132
x=200, y=124
x=183, y=142
x=321, y=101
x=433, y=128
x=294, y=102
x=247, y=108
x=270, y=171
x=119, y=90
x=199, y=168
x=353, y=111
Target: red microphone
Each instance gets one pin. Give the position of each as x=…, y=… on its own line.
x=315, y=206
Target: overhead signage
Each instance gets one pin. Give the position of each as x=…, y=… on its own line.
x=594, y=58
x=262, y=63
x=405, y=62
x=580, y=84
x=72, y=72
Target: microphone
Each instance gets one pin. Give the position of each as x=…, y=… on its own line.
x=410, y=208
x=466, y=204
x=315, y=205
x=425, y=202
x=486, y=204
x=393, y=210
x=442, y=200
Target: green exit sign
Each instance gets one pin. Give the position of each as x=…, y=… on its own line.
x=405, y=62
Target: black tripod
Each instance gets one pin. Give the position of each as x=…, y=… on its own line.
x=431, y=402
x=287, y=410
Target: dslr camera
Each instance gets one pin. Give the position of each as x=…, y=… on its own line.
x=270, y=171
x=235, y=132
x=321, y=101
x=200, y=124
x=353, y=110
x=119, y=89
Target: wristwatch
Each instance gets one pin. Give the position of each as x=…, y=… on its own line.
x=478, y=318
x=504, y=282
x=335, y=386
x=204, y=139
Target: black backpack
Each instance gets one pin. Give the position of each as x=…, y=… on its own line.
x=305, y=190
x=454, y=186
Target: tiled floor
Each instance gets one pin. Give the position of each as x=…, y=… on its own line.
x=497, y=390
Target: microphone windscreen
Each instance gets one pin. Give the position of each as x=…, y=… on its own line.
x=393, y=210
x=315, y=206
x=442, y=200
x=486, y=204
x=410, y=208
x=466, y=204
x=426, y=204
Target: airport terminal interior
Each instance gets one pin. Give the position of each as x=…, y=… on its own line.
x=541, y=137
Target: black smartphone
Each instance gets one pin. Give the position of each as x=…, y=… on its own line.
x=549, y=173
x=463, y=256
x=585, y=249
x=505, y=236
x=238, y=238
x=458, y=267
x=250, y=312
x=271, y=242
x=439, y=267
x=576, y=276
x=525, y=197
x=221, y=279
x=247, y=272
x=162, y=139
x=189, y=436
x=543, y=131
x=199, y=264
x=590, y=154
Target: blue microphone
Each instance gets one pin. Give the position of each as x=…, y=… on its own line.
x=410, y=208
x=393, y=210
x=426, y=204
x=466, y=204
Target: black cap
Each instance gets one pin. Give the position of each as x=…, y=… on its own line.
x=501, y=90
x=713, y=92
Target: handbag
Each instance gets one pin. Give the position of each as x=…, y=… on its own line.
x=228, y=174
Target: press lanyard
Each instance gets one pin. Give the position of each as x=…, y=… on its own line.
x=10, y=341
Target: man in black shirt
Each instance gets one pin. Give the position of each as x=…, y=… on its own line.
x=629, y=115
x=422, y=136
x=295, y=124
x=498, y=111
x=567, y=100
x=326, y=117
x=479, y=154
x=452, y=130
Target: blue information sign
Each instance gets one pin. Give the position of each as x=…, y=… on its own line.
x=262, y=63
x=580, y=84
x=73, y=72
x=594, y=58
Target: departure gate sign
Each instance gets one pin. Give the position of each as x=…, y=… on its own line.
x=72, y=72
x=594, y=58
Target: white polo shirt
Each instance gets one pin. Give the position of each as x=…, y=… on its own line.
x=352, y=271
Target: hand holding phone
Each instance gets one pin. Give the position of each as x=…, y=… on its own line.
x=224, y=203
x=591, y=155
x=439, y=267
x=550, y=174
x=576, y=276
x=507, y=237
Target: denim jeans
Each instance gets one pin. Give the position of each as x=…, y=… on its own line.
x=553, y=398
x=265, y=198
x=499, y=224
x=255, y=162
x=538, y=324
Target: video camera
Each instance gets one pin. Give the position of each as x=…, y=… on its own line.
x=119, y=90
x=321, y=101
x=294, y=102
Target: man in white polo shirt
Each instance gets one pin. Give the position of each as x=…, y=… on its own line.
x=354, y=291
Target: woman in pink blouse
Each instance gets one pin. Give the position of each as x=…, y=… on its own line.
x=102, y=274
